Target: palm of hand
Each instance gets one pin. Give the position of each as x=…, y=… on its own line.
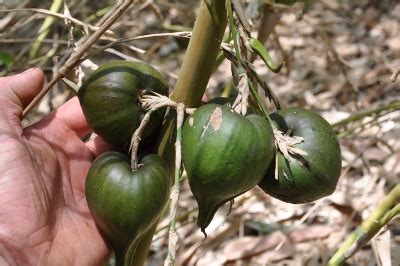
x=44, y=216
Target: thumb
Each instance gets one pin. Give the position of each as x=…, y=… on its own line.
x=17, y=91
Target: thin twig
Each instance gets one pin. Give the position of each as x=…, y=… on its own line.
x=184, y=35
x=395, y=74
x=173, y=236
x=84, y=38
x=375, y=121
x=112, y=39
x=241, y=16
x=72, y=61
x=109, y=13
x=360, y=115
x=361, y=127
x=57, y=15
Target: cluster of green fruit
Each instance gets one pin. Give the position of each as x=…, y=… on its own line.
x=224, y=153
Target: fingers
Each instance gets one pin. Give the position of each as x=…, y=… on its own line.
x=22, y=88
x=68, y=116
x=16, y=92
x=97, y=146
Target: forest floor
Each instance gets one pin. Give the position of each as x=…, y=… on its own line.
x=339, y=60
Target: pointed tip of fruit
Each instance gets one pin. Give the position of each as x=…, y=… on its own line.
x=203, y=230
x=206, y=214
x=203, y=221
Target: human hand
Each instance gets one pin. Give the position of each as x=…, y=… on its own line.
x=44, y=217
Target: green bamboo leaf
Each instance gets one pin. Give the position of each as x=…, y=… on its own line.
x=45, y=28
x=261, y=51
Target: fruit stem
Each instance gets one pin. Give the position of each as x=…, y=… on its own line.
x=150, y=103
x=370, y=227
x=258, y=99
x=261, y=104
x=135, y=140
x=173, y=236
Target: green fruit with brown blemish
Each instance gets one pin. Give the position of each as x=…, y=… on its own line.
x=311, y=176
x=224, y=154
x=125, y=204
x=229, y=101
x=109, y=100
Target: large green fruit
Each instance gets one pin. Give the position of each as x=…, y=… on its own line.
x=126, y=204
x=109, y=100
x=224, y=154
x=316, y=175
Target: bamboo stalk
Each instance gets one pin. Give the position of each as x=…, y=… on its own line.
x=370, y=227
x=192, y=81
x=196, y=68
x=200, y=56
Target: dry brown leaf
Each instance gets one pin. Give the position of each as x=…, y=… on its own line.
x=394, y=43
x=281, y=252
x=381, y=247
x=311, y=232
x=250, y=246
x=375, y=154
x=195, y=252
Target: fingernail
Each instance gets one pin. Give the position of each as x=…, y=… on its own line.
x=28, y=70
